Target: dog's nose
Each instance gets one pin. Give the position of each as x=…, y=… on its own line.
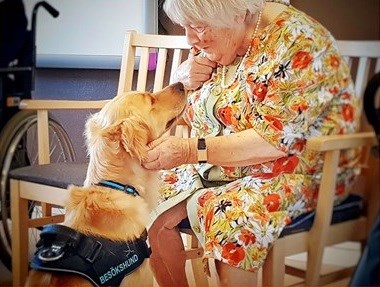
x=179, y=86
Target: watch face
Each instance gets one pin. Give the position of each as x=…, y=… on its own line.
x=201, y=144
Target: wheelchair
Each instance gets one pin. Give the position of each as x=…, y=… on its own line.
x=18, y=128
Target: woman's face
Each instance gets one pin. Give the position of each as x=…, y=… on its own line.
x=220, y=45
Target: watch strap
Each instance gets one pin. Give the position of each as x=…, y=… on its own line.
x=202, y=150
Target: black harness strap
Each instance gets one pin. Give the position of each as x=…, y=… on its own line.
x=102, y=261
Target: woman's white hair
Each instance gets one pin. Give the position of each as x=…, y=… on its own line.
x=217, y=13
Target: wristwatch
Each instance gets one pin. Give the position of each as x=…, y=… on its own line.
x=202, y=150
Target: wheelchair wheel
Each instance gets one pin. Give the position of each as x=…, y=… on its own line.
x=18, y=143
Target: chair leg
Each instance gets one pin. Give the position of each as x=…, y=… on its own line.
x=20, y=242
x=200, y=276
x=319, y=231
x=313, y=269
x=274, y=266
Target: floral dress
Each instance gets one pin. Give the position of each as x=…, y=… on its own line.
x=293, y=85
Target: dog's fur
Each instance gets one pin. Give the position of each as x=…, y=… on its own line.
x=117, y=138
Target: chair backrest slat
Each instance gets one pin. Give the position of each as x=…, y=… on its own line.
x=377, y=65
x=177, y=59
x=359, y=48
x=362, y=75
x=138, y=49
x=160, y=69
x=128, y=60
x=363, y=58
x=142, y=74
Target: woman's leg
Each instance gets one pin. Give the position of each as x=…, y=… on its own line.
x=168, y=255
x=232, y=276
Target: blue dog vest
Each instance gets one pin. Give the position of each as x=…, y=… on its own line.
x=102, y=261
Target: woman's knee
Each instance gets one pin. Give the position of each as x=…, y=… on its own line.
x=164, y=227
x=170, y=218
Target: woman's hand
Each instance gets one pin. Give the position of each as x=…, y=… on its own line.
x=193, y=72
x=168, y=152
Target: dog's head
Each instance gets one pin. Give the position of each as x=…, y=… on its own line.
x=131, y=120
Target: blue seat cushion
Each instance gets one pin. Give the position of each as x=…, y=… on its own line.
x=348, y=209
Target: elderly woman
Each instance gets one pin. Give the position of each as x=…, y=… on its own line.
x=264, y=77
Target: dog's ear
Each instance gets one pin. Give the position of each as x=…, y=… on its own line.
x=133, y=135
x=93, y=130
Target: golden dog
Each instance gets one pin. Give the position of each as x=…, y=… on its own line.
x=117, y=138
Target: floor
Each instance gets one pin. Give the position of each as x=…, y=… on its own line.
x=341, y=255
x=337, y=257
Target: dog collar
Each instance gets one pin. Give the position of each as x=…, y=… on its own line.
x=115, y=185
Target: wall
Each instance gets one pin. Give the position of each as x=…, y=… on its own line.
x=346, y=19
x=88, y=33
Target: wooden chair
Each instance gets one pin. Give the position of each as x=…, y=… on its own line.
x=46, y=183
x=364, y=60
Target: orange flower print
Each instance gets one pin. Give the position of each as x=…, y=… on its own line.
x=285, y=164
x=311, y=170
x=264, y=175
x=229, y=171
x=208, y=220
x=204, y=198
x=300, y=107
x=171, y=178
x=348, y=113
x=247, y=237
x=346, y=96
x=274, y=122
x=255, y=43
x=280, y=22
x=334, y=61
x=233, y=253
x=298, y=145
x=225, y=115
x=334, y=90
x=301, y=60
x=272, y=202
x=340, y=189
x=190, y=112
x=260, y=91
x=287, y=190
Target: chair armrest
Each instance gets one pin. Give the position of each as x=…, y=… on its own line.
x=332, y=146
x=61, y=104
x=339, y=142
x=43, y=107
